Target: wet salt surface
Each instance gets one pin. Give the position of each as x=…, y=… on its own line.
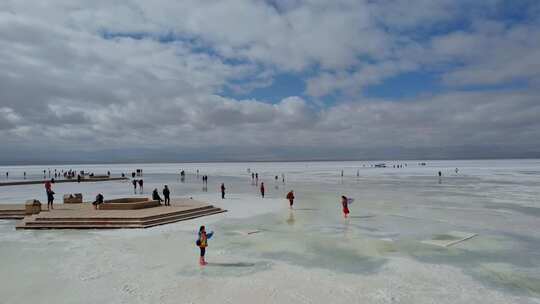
x=310, y=254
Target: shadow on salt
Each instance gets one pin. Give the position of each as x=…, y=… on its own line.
x=225, y=268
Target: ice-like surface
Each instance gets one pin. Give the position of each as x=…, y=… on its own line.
x=306, y=255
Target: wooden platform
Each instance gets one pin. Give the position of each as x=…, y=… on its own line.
x=72, y=180
x=11, y=211
x=84, y=216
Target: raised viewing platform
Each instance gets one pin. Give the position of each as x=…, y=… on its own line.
x=66, y=180
x=12, y=211
x=84, y=216
x=129, y=203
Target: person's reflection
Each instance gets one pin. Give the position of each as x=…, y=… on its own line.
x=347, y=229
x=205, y=188
x=290, y=219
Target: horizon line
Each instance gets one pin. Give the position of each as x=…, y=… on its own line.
x=257, y=161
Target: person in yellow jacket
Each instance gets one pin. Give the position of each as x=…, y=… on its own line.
x=202, y=243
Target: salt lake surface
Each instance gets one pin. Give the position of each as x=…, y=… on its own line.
x=306, y=255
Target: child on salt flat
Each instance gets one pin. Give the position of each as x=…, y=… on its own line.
x=202, y=243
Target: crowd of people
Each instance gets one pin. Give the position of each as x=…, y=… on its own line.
x=63, y=173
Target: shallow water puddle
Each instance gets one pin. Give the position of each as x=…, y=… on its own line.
x=450, y=238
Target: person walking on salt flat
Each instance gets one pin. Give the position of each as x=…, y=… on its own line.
x=290, y=197
x=345, y=202
x=222, y=191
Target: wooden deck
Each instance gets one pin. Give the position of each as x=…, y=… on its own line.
x=11, y=211
x=84, y=216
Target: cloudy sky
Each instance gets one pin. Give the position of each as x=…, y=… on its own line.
x=184, y=80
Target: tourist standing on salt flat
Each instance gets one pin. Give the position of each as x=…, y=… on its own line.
x=134, y=182
x=222, y=191
x=262, y=190
x=345, y=206
x=50, y=195
x=202, y=242
x=166, y=196
x=141, y=183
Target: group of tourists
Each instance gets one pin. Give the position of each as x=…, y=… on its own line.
x=203, y=236
x=166, y=196
x=140, y=183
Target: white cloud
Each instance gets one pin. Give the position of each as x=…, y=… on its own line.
x=64, y=84
x=491, y=54
x=353, y=82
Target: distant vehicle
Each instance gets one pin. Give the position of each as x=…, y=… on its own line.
x=381, y=165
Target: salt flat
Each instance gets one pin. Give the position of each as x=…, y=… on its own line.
x=309, y=255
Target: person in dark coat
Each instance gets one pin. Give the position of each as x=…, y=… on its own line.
x=98, y=201
x=222, y=191
x=141, y=185
x=50, y=199
x=166, y=195
x=155, y=196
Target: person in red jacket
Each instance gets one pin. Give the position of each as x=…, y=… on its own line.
x=48, y=186
x=345, y=205
x=290, y=197
x=262, y=190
